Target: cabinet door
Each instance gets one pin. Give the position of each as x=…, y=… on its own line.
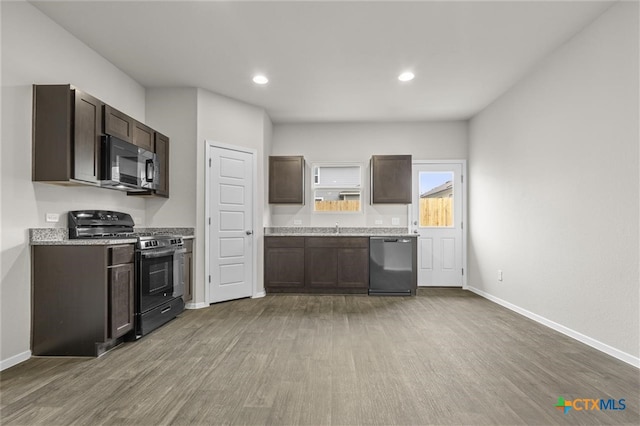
x=52, y=133
x=321, y=268
x=391, y=179
x=286, y=180
x=143, y=136
x=87, y=137
x=284, y=268
x=353, y=267
x=121, y=299
x=162, y=153
x=188, y=277
x=118, y=124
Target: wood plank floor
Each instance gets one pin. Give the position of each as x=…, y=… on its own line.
x=446, y=356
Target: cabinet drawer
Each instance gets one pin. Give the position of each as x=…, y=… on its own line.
x=284, y=242
x=361, y=242
x=121, y=254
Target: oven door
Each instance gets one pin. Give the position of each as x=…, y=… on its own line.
x=160, y=277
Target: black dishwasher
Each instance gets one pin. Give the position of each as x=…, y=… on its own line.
x=391, y=266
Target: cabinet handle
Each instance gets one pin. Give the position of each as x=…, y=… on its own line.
x=149, y=172
x=165, y=310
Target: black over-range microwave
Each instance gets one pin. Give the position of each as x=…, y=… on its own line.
x=127, y=167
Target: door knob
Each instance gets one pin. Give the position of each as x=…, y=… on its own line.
x=249, y=232
x=415, y=231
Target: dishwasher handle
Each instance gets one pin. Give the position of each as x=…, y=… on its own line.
x=391, y=240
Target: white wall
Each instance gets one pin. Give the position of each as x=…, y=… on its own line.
x=554, y=189
x=173, y=112
x=231, y=122
x=36, y=50
x=357, y=142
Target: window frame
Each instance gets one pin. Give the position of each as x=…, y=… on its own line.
x=350, y=188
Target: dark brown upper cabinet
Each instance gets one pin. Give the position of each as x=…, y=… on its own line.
x=118, y=124
x=162, y=153
x=286, y=180
x=143, y=136
x=68, y=128
x=67, y=131
x=391, y=179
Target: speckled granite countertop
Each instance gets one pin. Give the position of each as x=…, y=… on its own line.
x=291, y=231
x=60, y=236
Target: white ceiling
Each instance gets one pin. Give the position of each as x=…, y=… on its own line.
x=330, y=60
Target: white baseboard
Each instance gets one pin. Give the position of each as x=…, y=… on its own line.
x=199, y=305
x=14, y=360
x=596, y=344
x=259, y=294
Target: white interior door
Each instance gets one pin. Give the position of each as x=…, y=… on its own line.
x=437, y=216
x=231, y=254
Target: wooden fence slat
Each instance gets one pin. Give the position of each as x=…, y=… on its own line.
x=436, y=211
x=338, y=205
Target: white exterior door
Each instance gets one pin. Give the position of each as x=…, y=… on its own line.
x=437, y=218
x=230, y=224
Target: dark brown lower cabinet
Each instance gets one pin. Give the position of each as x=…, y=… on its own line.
x=338, y=264
x=121, y=283
x=317, y=264
x=285, y=259
x=188, y=271
x=83, y=298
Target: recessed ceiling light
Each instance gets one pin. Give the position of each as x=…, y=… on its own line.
x=406, y=76
x=260, y=79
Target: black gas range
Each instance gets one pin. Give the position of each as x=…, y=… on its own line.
x=159, y=264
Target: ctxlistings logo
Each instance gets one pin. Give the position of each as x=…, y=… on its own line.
x=588, y=404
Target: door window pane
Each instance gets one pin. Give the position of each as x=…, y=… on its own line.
x=436, y=199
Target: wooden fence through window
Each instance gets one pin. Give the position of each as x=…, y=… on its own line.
x=338, y=206
x=436, y=211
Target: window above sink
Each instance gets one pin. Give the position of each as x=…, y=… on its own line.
x=337, y=187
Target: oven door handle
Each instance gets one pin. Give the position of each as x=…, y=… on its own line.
x=160, y=253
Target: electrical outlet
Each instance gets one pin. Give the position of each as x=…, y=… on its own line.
x=378, y=222
x=395, y=221
x=499, y=274
x=52, y=217
x=297, y=222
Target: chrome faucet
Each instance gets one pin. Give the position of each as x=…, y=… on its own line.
x=337, y=228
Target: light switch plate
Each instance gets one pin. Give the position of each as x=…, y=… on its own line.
x=395, y=221
x=52, y=217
